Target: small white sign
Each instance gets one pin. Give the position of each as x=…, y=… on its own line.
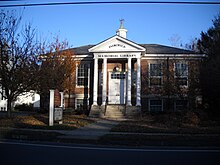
x=58, y=114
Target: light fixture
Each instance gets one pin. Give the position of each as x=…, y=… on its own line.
x=117, y=68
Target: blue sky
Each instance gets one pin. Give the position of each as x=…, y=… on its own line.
x=146, y=23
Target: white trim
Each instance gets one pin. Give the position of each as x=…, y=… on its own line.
x=171, y=58
x=95, y=81
x=139, y=48
x=77, y=67
x=149, y=76
x=175, y=55
x=81, y=98
x=83, y=56
x=128, y=84
x=138, y=82
x=187, y=77
x=104, y=86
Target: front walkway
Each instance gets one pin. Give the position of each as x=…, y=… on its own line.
x=92, y=131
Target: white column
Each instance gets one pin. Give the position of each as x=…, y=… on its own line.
x=51, y=108
x=138, y=83
x=129, y=83
x=104, y=81
x=95, y=85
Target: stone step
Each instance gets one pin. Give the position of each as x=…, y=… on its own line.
x=115, y=111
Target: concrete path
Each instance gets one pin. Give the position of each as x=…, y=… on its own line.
x=92, y=131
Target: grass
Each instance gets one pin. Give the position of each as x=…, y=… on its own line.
x=40, y=121
x=188, y=129
x=170, y=123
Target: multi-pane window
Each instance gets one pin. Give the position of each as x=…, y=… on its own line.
x=156, y=105
x=155, y=74
x=82, y=75
x=181, y=74
x=117, y=76
x=181, y=105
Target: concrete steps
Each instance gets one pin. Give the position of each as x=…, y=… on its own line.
x=115, y=111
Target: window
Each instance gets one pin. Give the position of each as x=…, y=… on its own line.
x=155, y=75
x=181, y=105
x=181, y=74
x=118, y=76
x=79, y=103
x=156, y=105
x=82, y=75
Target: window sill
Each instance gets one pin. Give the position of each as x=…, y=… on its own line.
x=81, y=86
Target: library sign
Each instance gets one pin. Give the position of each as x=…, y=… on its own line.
x=117, y=56
x=58, y=114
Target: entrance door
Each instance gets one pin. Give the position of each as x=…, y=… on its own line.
x=117, y=86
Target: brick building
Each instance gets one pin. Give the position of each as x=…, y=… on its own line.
x=120, y=77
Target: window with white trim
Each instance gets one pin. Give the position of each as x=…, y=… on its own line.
x=79, y=103
x=181, y=74
x=83, y=74
x=155, y=105
x=155, y=74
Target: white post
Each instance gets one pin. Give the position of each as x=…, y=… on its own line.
x=95, y=85
x=61, y=100
x=51, y=108
x=61, y=105
x=129, y=83
x=138, y=83
x=104, y=81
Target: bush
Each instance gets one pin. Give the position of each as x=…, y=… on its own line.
x=24, y=107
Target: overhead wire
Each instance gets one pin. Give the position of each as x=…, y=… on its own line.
x=112, y=2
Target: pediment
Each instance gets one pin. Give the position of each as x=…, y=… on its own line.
x=117, y=44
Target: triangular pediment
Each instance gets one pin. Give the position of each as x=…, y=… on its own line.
x=117, y=44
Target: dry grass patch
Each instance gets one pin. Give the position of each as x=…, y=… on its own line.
x=40, y=121
x=170, y=123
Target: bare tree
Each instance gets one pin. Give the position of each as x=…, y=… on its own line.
x=175, y=40
x=18, y=61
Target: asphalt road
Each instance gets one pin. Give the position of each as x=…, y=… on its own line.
x=18, y=153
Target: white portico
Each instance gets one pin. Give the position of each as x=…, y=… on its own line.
x=117, y=62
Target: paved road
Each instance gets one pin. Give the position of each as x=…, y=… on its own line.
x=26, y=153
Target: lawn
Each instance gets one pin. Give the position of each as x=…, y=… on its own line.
x=40, y=121
x=170, y=123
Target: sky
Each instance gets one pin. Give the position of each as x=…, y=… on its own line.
x=90, y=24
